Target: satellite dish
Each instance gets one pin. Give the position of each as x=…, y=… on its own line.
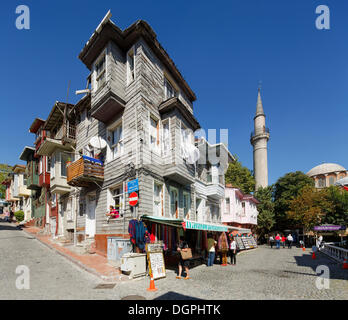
x=192, y=154
x=97, y=142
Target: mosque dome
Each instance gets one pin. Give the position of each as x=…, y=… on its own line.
x=325, y=168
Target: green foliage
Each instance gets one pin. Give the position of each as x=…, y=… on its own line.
x=240, y=177
x=338, y=214
x=310, y=207
x=19, y=215
x=286, y=189
x=265, y=218
x=4, y=169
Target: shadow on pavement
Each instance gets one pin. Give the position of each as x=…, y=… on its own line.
x=171, y=295
x=9, y=226
x=336, y=271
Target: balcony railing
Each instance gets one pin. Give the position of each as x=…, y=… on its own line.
x=85, y=171
x=264, y=130
x=68, y=131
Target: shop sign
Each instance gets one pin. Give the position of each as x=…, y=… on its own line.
x=133, y=186
x=203, y=226
x=329, y=228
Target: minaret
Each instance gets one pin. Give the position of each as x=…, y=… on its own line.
x=259, y=138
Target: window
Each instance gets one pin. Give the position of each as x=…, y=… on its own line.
x=48, y=164
x=158, y=202
x=209, y=173
x=174, y=202
x=130, y=66
x=166, y=138
x=227, y=205
x=69, y=213
x=243, y=209
x=63, y=160
x=154, y=135
x=40, y=166
x=53, y=172
x=54, y=200
x=169, y=90
x=186, y=204
x=100, y=71
x=331, y=181
x=118, y=199
x=321, y=183
x=185, y=140
x=117, y=141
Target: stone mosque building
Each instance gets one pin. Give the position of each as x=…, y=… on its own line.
x=328, y=174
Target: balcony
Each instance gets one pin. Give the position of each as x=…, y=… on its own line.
x=32, y=176
x=85, y=171
x=259, y=133
x=64, y=139
x=23, y=191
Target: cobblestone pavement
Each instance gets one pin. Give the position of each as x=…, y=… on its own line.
x=263, y=273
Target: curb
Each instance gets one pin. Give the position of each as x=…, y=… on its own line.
x=76, y=262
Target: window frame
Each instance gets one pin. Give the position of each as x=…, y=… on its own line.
x=173, y=87
x=161, y=196
x=176, y=213
x=156, y=149
x=130, y=73
x=102, y=56
x=169, y=142
x=188, y=194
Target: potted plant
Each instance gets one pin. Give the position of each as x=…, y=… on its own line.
x=68, y=162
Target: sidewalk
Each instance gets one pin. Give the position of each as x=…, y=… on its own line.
x=92, y=263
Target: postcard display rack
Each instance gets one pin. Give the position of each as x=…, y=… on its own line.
x=245, y=243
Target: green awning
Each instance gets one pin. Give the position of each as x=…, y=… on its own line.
x=205, y=226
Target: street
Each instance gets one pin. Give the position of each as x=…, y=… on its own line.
x=263, y=273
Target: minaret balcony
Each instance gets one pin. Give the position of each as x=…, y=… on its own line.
x=257, y=134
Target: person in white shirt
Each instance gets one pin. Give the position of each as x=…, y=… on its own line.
x=290, y=240
x=271, y=241
x=233, y=251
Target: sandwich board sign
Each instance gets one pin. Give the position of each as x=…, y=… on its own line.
x=155, y=259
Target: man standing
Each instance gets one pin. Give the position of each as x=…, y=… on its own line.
x=277, y=239
x=233, y=251
x=271, y=241
x=211, y=250
x=290, y=240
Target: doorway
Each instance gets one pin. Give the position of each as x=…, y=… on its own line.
x=90, y=217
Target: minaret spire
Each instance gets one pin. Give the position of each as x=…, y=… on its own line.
x=259, y=107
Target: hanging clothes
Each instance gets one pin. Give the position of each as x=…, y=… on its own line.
x=153, y=233
x=132, y=230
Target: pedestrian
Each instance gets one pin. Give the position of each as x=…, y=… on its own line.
x=11, y=216
x=271, y=241
x=7, y=216
x=320, y=241
x=183, y=247
x=211, y=250
x=283, y=241
x=233, y=251
x=277, y=239
x=290, y=240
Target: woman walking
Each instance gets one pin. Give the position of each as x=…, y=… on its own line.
x=277, y=239
x=182, y=247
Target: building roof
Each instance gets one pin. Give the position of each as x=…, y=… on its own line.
x=38, y=122
x=26, y=152
x=107, y=31
x=56, y=115
x=325, y=168
x=18, y=168
x=342, y=182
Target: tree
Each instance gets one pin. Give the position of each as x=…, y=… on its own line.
x=4, y=170
x=310, y=207
x=286, y=189
x=265, y=218
x=240, y=177
x=339, y=213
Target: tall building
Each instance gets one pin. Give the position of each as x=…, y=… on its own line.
x=259, y=138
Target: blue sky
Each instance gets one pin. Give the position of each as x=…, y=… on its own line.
x=222, y=48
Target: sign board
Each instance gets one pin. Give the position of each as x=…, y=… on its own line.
x=329, y=228
x=133, y=199
x=133, y=186
x=155, y=260
x=204, y=226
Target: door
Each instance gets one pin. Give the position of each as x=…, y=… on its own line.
x=90, y=217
